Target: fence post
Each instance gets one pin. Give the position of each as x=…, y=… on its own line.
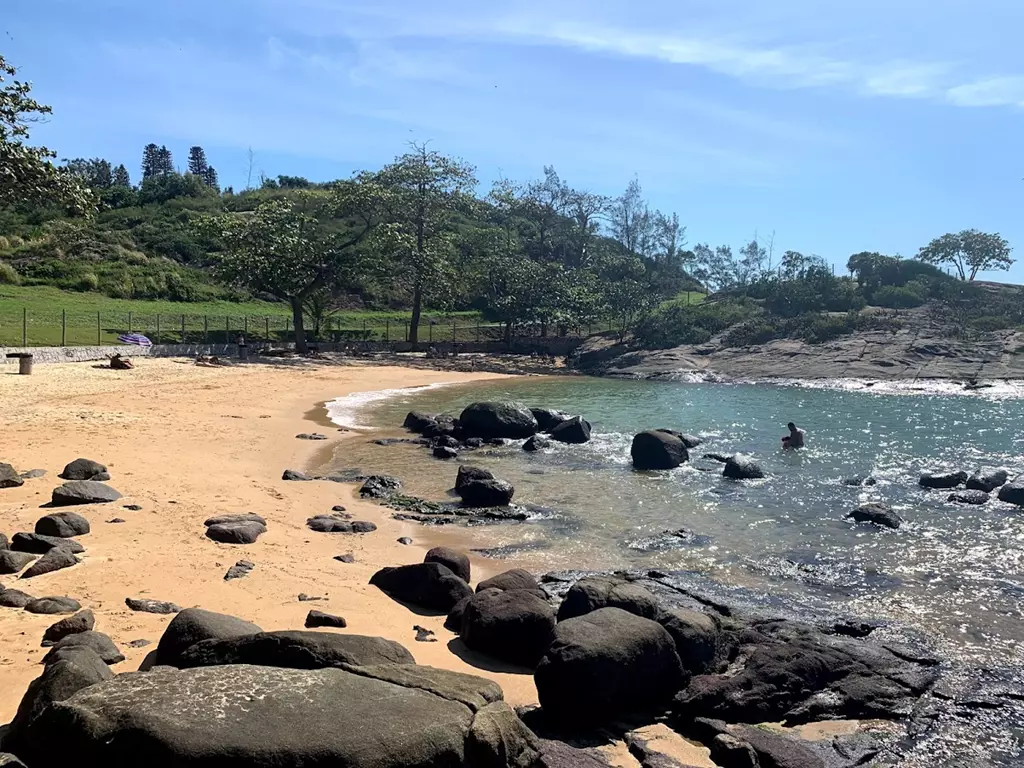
x=453, y=329
x=129, y=322
x=206, y=329
x=287, y=324
x=245, y=326
x=182, y=329
x=267, y=321
x=97, y=329
x=407, y=330
x=478, y=330
x=63, y=327
x=430, y=333
x=387, y=329
x=227, y=329
x=24, y=326
x=157, y=328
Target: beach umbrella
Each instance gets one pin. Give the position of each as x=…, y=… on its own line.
x=135, y=338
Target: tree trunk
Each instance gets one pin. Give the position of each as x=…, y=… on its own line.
x=300, y=331
x=508, y=332
x=414, y=322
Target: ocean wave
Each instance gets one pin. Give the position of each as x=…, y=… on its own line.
x=345, y=411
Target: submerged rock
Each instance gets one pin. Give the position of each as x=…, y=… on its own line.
x=987, y=479
x=1012, y=493
x=656, y=449
x=740, y=467
x=486, y=493
x=548, y=419
x=380, y=486
x=969, y=497
x=498, y=419
x=942, y=479
x=536, y=443
x=574, y=431
x=877, y=513
x=468, y=473
x=860, y=480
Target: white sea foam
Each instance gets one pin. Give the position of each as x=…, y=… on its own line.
x=346, y=411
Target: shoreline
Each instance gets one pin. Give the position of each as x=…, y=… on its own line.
x=185, y=443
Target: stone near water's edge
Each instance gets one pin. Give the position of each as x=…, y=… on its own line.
x=548, y=419
x=457, y=562
x=740, y=467
x=876, y=513
x=515, y=578
x=336, y=523
x=514, y=625
x=536, y=443
x=656, y=449
x=1013, y=492
x=987, y=479
x=294, y=474
x=575, y=431
x=469, y=473
x=970, y=496
x=942, y=479
x=428, y=585
x=508, y=420
x=380, y=486
x=486, y=493
x=596, y=592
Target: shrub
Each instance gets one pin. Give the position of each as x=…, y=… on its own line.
x=898, y=297
x=678, y=324
x=8, y=274
x=87, y=281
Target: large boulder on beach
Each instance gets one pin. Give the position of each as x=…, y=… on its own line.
x=38, y=544
x=264, y=717
x=96, y=641
x=987, y=479
x=498, y=419
x=942, y=479
x=595, y=592
x=606, y=663
x=53, y=605
x=877, y=513
x=455, y=561
x=574, y=431
x=194, y=625
x=9, y=477
x=297, y=649
x=12, y=562
x=54, y=560
x=241, y=532
x=14, y=598
x=427, y=585
x=5, y=543
x=469, y=473
x=515, y=578
x=486, y=493
x=655, y=449
x=59, y=681
x=83, y=492
x=740, y=467
x=548, y=418
x=1013, y=492
x=513, y=625
x=62, y=525
x=83, y=469
x=697, y=637
x=83, y=621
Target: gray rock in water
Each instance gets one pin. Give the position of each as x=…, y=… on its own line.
x=247, y=517
x=657, y=449
x=418, y=422
x=52, y=605
x=316, y=619
x=62, y=525
x=380, y=486
x=260, y=717
x=39, y=544
x=987, y=479
x=606, y=663
x=9, y=477
x=469, y=473
x=239, y=570
x=486, y=493
x=455, y=561
x=876, y=513
x=82, y=469
x=536, y=443
x=14, y=598
x=595, y=592
x=969, y=497
x=548, y=419
x=54, y=560
x=83, y=621
x=296, y=650
x=145, y=605
x=60, y=680
x=740, y=467
x=1012, y=492
x=194, y=625
x=236, y=533
x=942, y=479
x=294, y=474
x=444, y=452
x=428, y=585
x=97, y=641
x=860, y=480
x=575, y=431
x=83, y=492
x=498, y=419
x=12, y=562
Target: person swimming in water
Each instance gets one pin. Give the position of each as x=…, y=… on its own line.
x=795, y=438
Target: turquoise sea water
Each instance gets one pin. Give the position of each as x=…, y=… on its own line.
x=954, y=570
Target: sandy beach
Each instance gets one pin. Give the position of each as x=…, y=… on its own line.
x=184, y=443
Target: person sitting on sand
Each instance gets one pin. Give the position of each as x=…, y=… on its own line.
x=795, y=438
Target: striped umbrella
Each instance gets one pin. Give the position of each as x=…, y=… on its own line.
x=135, y=338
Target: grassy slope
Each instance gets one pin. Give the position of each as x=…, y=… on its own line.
x=43, y=307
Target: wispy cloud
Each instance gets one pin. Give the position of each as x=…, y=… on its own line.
x=991, y=92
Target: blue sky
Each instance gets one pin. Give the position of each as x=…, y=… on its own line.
x=842, y=126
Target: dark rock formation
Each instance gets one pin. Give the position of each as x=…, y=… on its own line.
x=498, y=419
x=456, y=562
x=877, y=513
x=513, y=625
x=444, y=452
x=574, y=431
x=1011, y=493
x=969, y=497
x=942, y=479
x=82, y=469
x=12, y=562
x=14, y=598
x=428, y=585
x=486, y=493
x=245, y=532
x=52, y=605
x=380, y=486
x=515, y=578
x=97, y=641
x=548, y=419
x=987, y=479
x=38, y=544
x=296, y=649
x=62, y=525
x=596, y=592
x=9, y=477
x=860, y=480
x=294, y=474
x=740, y=467
x=247, y=517
x=467, y=474
x=316, y=619
x=144, y=605
x=696, y=636
x=83, y=621
x=54, y=560
x=83, y=492
x=656, y=449
x=536, y=443
x=335, y=523
x=194, y=625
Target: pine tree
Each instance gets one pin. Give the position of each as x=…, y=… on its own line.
x=150, y=161
x=165, y=163
x=121, y=177
x=210, y=177
x=197, y=164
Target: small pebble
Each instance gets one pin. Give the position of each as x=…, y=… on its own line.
x=138, y=643
x=304, y=598
x=132, y=507
x=424, y=635
x=337, y=508
x=405, y=540
x=348, y=557
x=116, y=520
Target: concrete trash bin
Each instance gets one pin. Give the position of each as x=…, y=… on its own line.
x=24, y=362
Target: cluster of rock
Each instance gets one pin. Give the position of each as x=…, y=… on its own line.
x=977, y=486
x=659, y=449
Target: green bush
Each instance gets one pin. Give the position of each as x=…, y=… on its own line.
x=898, y=297
x=8, y=274
x=87, y=281
x=678, y=324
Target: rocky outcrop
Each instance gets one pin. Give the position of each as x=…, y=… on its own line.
x=1013, y=492
x=877, y=513
x=942, y=479
x=596, y=592
x=972, y=497
x=9, y=477
x=83, y=621
x=987, y=479
x=469, y=473
x=455, y=561
x=548, y=418
x=656, y=449
x=498, y=419
x=62, y=525
x=295, y=650
x=261, y=717
x=696, y=636
x=98, y=642
x=513, y=625
x=83, y=469
x=380, y=487
x=516, y=578
x=315, y=619
x=83, y=492
x=486, y=493
x=740, y=467
x=574, y=431
x=194, y=625
x=428, y=585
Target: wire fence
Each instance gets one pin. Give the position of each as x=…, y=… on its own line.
x=68, y=328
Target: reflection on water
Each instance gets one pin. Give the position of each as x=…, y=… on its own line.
x=951, y=569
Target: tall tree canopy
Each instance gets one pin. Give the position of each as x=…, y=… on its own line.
x=970, y=252
x=197, y=164
x=27, y=174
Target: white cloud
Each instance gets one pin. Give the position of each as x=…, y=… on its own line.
x=991, y=92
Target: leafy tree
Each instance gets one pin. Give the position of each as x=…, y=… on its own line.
x=425, y=192
x=753, y=257
x=96, y=173
x=197, y=164
x=291, y=254
x=27, y=175
x=121, y=177
x=969, y=251
x=167, y=186
x=715, y=268
x=210, y=178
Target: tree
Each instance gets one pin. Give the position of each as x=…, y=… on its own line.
x=753, y=257
x=292, y=254
x=715, y=268
x=969, y=251
x=150, y=161
x=121, y=177
x=425, y=191
x=197, y=164
x=27, y=174
x=164, y=161
x=210, y=178
x=630, y=218
x=96, y=173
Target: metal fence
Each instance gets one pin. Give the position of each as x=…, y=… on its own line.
x=66, y=328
